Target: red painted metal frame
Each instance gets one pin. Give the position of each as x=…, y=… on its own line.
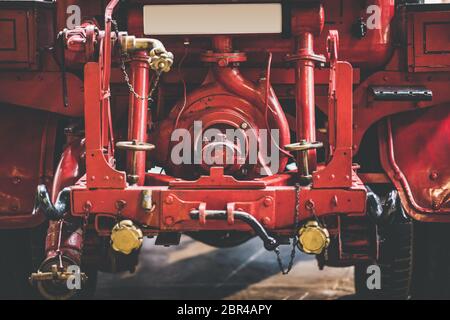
x=370, y=53
x=106, y=191
x=272, y=205
x=338, y=172
x=99, y=173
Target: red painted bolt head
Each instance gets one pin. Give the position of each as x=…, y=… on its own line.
x=87, y=206
x=434, y=175
x=268, y=201
x=309, y=204
x=16, y=180
x=223, y=62
x=169, y=220
x=169, y=200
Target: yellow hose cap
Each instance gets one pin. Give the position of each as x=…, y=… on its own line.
x=312, y=238
x=126, y=237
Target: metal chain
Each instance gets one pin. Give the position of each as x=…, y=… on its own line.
x=130, y=86
x=294, y=240
x=85, y=220
x=322, y=224
x=58, y=248
x=127, y=77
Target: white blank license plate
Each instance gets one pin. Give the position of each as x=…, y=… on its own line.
x=208, y=19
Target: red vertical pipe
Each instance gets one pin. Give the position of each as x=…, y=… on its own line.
x=222, y=44
x=138, y=111
x=304, y=96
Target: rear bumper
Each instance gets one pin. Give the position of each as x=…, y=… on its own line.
x=273, y=206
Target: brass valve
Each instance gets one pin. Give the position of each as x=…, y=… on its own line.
x=159, y=60
x=126, y=237
x=312, y=238
x=56, y=274
x=51, y=280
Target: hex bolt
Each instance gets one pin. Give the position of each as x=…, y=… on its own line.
x=265, y=221
x=169, y=200
x=169, y=220
x=268, y=201
x=434, y=175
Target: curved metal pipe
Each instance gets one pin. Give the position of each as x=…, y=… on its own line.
x=233, y=81
x=131, y=43
x=270, y=243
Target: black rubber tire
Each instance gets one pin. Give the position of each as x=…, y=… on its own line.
x=431, y=272
x=395, y=262
x=59, y=290
x=88, y=291
x=21, y=253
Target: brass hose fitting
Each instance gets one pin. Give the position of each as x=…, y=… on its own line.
x=160, y=59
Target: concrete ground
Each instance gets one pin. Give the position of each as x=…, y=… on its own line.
x=194, y=270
